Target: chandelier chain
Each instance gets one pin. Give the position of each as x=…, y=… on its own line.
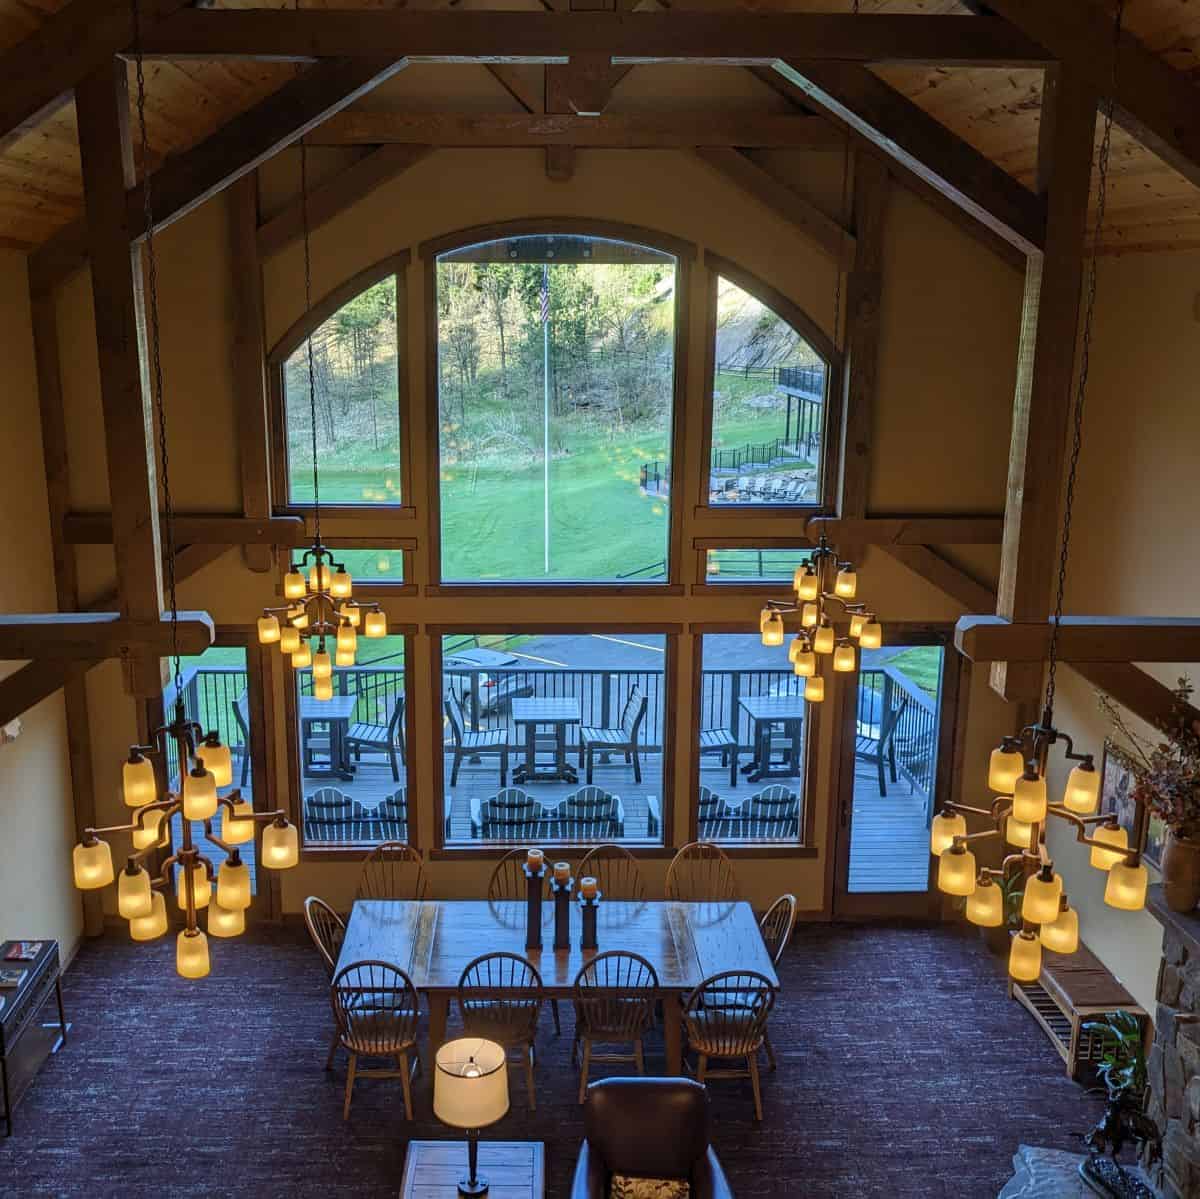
x=156, y=371
x=1102, y=168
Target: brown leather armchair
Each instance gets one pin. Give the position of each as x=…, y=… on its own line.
x=649, y=1127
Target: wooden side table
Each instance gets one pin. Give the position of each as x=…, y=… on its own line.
x=514, y=1169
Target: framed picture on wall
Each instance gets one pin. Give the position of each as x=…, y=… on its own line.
x=1117, y=779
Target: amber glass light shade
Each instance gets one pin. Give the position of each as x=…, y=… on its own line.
x=199, y=795
x=319, y=577
x=796, y=647
x=1082, y=791
x=303, y=656
x=280, y=846
x=806, y=583
x=322, y=689
x=376, y=624
x=201, y=884
x=237, y=827
x=92, y=865
x=1126, y=887
x=233, y=885
x=298, y=618
x=1104, y=859
x=148, y=834
x=1025, y=957
x=138, y=784
x=772, y=629
x=985, y=905
x=1005, y=766
x=218, y=761
x=809, y=615
x=134, y=896
x=322, y=665
x=1018, y=833
x=268, y=630
x=843, y=658
x=1062, y=934
x=289, y=639
x=352, y=613
x=191, y=954
x=226, y=922
x=154, y=923
x=1029, y=798
x=814, y=689
x=823, y=639
x=956, y=871
x=945, y=827
x=871, y=636
x=340, y=585
x=846, y=583
x=805, y=665
x=1041, y=901
x=347, y=638
x=293, y=585
x=343, y=659
x=857, y=621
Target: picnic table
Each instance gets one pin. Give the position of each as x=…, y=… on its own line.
x=764, y=712
x=559, y=714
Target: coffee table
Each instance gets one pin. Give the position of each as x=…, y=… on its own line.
x=514, y=1169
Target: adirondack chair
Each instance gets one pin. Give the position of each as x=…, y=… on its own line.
x=877, y=749
x=713, y=816
x=590, y=814
x=328, y=816
x=392, y=815
x=773, y=812
x=382, y=738
x=509, y=815
x=621, y=740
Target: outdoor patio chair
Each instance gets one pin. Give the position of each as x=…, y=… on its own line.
x=509, y=815
x=877, y=749
x=623, y=739
x=723, y=742
x=392, y=816
x=773, y=812
x=328, y=815
x=590, y=814
x=381, y=738
x=468, y=744
x=243, y=727
x=714, y=816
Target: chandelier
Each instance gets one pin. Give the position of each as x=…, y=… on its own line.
x=204, y=764
x=821, y=582
x=320, y=606
x=1021, y=810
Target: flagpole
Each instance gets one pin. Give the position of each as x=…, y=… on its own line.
x=546, y=418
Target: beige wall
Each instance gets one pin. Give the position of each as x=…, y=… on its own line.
x=36, y=814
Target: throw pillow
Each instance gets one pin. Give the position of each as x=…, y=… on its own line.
x=626, y=1186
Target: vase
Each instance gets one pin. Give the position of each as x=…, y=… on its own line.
x=1181, y=873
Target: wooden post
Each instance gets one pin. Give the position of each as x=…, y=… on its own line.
x=1046, y=369
x=102, y=110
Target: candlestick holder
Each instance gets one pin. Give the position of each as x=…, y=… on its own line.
x=588, y=908
x=562, y=912
x=533, y=906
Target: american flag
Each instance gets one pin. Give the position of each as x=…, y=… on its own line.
x=545, y=295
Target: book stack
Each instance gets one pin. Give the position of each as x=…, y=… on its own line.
x=23, y=951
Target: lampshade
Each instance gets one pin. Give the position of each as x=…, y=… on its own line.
x=319, y=576
x=280, y=846
x=233, y=886
x=237, y=827
x=814, y=689
x=796, y=647
x=1005, y=766
x=224, y=922
x=823, y=639
x=846, y=583
x=1062, y=934
x=343, y=659
x=322, y=665
x=809, y=615
x=149, y=833
x=199, y=794
x=138, y=783
x=1018, y=833
x=843, y=657
x=985, y=905
x=268, y=630
x=93, y=865
x=303, y=656
x=289, y=639
x=347, y=638
x=1110, y=834
x=293, y=585
x=764, y=614
x=200, y=883
x=217, y=759
x=806, y=582
x=1126, y=887
x=134, y=896
x=1042, y=893
x=956, y=871
x=871, y=636
x=298, y=618
x=805, y=665
x=857, y=620
x=1029, y=798
x=945, y=827
x=1082, y=791
x=1025, y=957
x=154, y=924
x=340, y=585
x=191, y=954
x=470, y=1083
x=322, y=688
x=772, y=629
x=351, y=613
x=376, y=624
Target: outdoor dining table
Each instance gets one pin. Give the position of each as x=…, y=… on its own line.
x=560, y=713
x=432, y=940
x=335, y=712
x=765, y=711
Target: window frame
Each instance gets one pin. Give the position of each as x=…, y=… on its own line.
x=722, y=268
x=395, y=264
x=671, y=632
x=685, y=254
x=768, y=587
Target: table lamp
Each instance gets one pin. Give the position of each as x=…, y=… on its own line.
x=470, y=1091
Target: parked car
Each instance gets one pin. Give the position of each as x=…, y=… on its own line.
x=497, y=682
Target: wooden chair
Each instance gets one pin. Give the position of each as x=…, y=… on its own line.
x=774, y=812
x=616, y=872
x=881, y=748
x=623, y=739
x=614, y=1005
x=776, y=926
x=723, y=742
x=701, y=872
x=327, y=930
x=383, y=738
x=590, y=814
x=726, y=1018
x=469, y=744
x=392, y=870
x=243, y=726
x=376, y=1009
x=500, y=996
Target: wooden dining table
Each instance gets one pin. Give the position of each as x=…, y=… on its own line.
x=433, y=940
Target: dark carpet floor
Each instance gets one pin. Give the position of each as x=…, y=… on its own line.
x=904, y=1070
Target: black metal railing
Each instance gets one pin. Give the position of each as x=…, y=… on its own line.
x=209, y=696
x=810, y=380
x=722, y=690
x=882, y=691
x=738, y=565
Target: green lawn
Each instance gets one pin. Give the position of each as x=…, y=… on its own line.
x=922, y=664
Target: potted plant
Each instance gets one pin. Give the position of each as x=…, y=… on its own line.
x=1167, y=779
x=1122, y=1069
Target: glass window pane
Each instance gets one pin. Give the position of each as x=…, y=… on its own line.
x=358, y=412
x=577, y=723
x=353, y=752
x=752, y=743
x=744, y=565
x=769, y=389
x=372, y=566
x=556, y=364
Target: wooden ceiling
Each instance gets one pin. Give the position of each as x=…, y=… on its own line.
x=996, y=111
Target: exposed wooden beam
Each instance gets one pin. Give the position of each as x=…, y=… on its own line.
x=945, y=576
x=34, y=681
x=515, y=80
x=908, y=135
x=373, y=170
x=582, y=86
x=551, y=37
x=648, y=130
x=1136, y=690
x=188, y=560
x=1081, y=639
x=782, y=199
x=909, y=530
x=87, y=635
x=1158, y=104
x=188, y=179
x=96, y=528
x=1046, y=368
x=560, y=163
